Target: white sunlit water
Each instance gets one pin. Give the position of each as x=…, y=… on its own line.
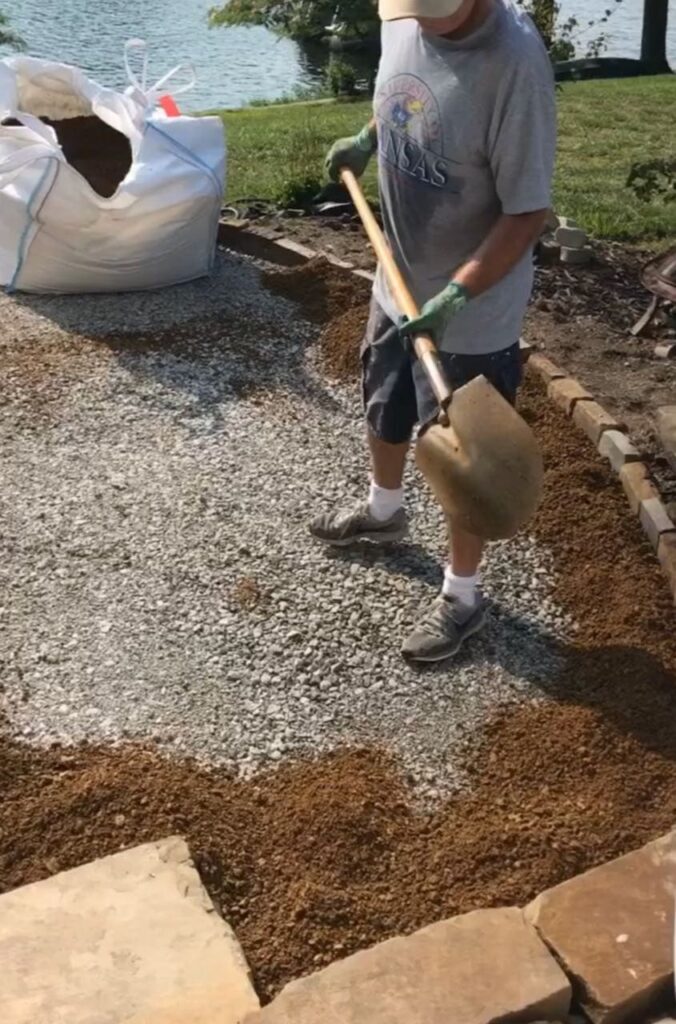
x=234, y=66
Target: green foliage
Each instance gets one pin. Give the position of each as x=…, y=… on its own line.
x=314, y=19
x=302, y=19
x=299, y=94
x=563, y=37
x=653, y=179
x=341, y=77
x=298, y=193
x=9, y=38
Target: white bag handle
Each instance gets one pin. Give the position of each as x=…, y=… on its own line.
x=142, y=46
x=178, y=90
x=150, y=93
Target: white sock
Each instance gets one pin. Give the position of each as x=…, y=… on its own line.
x=384, y=503
x=463, y=588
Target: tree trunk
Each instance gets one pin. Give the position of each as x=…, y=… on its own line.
x=654, y=41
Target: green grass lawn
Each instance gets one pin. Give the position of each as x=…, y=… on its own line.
x=604, y=127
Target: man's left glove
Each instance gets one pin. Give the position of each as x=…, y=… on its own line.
x=354, y=153
x=438, y=312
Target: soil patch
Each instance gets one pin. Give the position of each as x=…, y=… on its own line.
x=340, y=235
x=340, y=342
x=338, y=301
x=323, y=290
x=622, y=372
x=608, y=576
x=320, y=859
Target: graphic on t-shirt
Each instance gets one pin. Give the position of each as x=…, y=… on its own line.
x=410, y=133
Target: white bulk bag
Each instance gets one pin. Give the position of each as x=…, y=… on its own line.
x=57, y=234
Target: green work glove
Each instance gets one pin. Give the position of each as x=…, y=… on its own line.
x=438, y=312
x=353, y=153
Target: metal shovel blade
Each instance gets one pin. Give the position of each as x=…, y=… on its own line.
x=485, y=469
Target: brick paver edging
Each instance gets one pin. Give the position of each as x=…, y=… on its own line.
x=606, y=433
x=611, y=440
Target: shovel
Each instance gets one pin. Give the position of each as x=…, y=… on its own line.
x=480, y=458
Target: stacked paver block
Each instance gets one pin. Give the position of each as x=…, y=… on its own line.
x=487, y=967
x=130, y=939
x=612, y=930
x=573, y=242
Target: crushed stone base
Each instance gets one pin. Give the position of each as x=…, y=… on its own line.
x=158, y=575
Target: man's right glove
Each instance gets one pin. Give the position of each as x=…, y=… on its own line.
x=353, y=153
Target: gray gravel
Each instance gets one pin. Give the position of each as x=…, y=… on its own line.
x=156, y=574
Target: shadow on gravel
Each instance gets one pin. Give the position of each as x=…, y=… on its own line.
x=408, y=560
x=632, y=689
x=210, y=360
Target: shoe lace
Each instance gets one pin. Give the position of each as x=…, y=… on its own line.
x=442, y=613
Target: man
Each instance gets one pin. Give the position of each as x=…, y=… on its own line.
x=465, y=129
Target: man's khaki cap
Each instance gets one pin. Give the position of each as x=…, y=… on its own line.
x=391, y=10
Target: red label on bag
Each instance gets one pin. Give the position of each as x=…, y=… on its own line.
x=169, y=106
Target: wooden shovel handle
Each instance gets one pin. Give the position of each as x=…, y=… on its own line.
x=425, y=349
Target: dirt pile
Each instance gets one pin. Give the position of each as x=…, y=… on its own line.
x=321, y=859
x=338, y=301
x=100, y=154
x=340, y=342
x=608, y=576
x=323, y=290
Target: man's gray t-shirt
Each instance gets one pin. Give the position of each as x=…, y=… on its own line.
x=466, y=131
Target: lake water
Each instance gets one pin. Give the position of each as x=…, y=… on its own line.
x=234, y=66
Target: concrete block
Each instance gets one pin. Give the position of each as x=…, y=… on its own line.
x=575, y=257
x=617, y=448
x=570, y=236
x=594, y=420
x=655, y=520
x=482, y=968
x=665, y=419
x=666, y=552
x=612, y=931
x=548, y=252
x=545, y=368
x=566, y=393
x=637, y=484
x=264, y=244
x=130, y=939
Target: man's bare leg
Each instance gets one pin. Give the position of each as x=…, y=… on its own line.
x=387, y=462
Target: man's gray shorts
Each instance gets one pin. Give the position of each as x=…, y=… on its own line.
x=397, y=395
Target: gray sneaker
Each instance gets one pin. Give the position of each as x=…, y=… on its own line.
x=340, y=529
x=441, y=632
